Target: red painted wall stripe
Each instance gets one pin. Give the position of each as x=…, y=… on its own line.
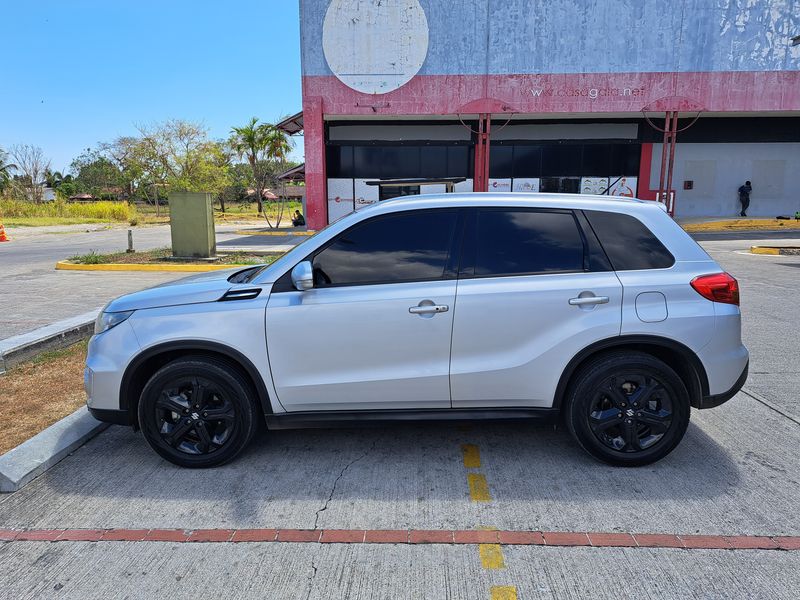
x=718, y=91
x=409, y=536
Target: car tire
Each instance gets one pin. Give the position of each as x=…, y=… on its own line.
x=198, y=412
x=627, y=408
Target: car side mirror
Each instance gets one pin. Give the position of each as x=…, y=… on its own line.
x=303, y=276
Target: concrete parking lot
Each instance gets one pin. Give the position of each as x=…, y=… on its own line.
x=737, y=473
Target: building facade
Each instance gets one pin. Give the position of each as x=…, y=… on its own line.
x=562, y=95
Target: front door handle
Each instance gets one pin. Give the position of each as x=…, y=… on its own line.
x=588, y=300
x=426, y=309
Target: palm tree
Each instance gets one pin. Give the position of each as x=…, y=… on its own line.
x=260, y=143
x=278, y=147
x=5, y=170
x=251, y=141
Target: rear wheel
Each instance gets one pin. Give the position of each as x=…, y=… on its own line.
x=197, y=412
x=627, y=408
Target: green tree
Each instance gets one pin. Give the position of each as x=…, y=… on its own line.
x=96, y=175
x=177, y=155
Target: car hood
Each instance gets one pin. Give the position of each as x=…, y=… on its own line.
x=204, y=287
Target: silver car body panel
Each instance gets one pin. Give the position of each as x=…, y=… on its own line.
x=504, y=341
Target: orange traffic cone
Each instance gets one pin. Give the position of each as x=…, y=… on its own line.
x=3, y=236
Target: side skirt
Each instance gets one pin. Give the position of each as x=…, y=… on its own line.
x=332, y=419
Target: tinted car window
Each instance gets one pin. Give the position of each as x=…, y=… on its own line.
x=629, y=244
x=513, y=242
x=390, y=249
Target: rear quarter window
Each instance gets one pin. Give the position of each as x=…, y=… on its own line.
x=629, y=244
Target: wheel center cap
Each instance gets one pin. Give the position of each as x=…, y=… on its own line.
x=195, y=416
x=628, y=412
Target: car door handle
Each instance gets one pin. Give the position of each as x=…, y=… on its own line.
x=588, y=300
x=428, y=309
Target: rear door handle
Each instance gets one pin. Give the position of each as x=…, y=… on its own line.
x=588, y=300
x=428, y=309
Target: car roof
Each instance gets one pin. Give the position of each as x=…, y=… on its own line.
x=509, y=199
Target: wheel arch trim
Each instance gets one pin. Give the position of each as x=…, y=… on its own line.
x=187, y=347
x=623, y=341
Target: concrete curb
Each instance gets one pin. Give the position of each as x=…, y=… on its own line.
x=64, y=265
x=61, y=334
x=32, y=458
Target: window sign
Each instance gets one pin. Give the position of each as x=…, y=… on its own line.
x=594, y=185
x=340, y=198
x=623, y=186
x=499, y=185
x=522, y=184
x=365, y=194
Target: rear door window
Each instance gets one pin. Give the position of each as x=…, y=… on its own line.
x=629, y=244
x=522, y=242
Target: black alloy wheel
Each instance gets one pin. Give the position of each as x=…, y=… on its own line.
x=627, y=408
x=630, y=412
x=197, y=412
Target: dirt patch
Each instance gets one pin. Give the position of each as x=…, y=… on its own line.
x=36, y=394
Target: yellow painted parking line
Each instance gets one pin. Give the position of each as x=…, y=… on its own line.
x=491, y=556
x=478, y=488
x=765, y=250
x=279, y=233
x=503, y=592
x=472, y=456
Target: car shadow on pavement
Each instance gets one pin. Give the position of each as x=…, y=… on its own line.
x=400, y=476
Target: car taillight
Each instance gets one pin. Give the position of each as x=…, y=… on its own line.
x=719, y=287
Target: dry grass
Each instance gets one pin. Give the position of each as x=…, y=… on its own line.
x=38, y=393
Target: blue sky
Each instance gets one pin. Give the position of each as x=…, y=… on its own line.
x=79, y=72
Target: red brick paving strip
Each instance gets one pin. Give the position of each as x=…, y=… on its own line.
x=211, y=535
x=342, y=536
x=606, y=540
x=404, y=536
x=255, y=535
x=562, y=538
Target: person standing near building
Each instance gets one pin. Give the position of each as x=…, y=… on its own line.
x=744, y=197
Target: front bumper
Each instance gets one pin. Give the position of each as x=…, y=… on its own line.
x=115, y=417
x=108, y=355
x=717, y=399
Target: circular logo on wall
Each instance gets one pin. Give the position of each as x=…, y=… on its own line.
x=375, y=46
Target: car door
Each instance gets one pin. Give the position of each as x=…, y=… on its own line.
x=533, y=291
x=374, y=331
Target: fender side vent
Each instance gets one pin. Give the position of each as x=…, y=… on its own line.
x=247, y=294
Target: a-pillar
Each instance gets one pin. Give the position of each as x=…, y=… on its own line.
x=316, y=181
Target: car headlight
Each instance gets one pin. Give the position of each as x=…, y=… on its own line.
x=107, y=320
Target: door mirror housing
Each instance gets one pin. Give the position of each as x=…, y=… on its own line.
x=303, y=276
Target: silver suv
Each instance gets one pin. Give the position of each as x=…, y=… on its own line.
x=461, y=306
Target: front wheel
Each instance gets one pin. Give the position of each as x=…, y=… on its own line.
x=627, y=408
x=197, y=412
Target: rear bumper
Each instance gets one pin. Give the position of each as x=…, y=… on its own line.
x=717, y=399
